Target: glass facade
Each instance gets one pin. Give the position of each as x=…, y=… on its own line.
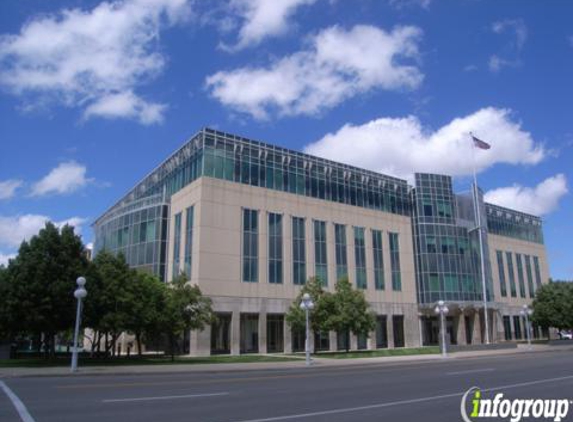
x=187, y=258
x=176, y=269
x=360, y=257
x=394, y=243
x=340, y=251
x=529, y=273
x=320, y=260
x=511, y=274
x=137, y=224
x=250, y=246
x=378, y=260
x=510, y=223
x=537, y=272
x=275, y=248
x=520, y=276
x=501, y=271
x=446, y=244
x=298, y=251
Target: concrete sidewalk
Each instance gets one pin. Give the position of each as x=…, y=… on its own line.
x=321, y=362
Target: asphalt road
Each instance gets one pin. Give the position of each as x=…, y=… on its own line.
x=421, y=391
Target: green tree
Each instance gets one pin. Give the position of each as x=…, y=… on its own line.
x=4, y=296
x=184, y=308
x=41, y=284
x=143, y=318
x=295, y=316
x=553, y=306
x=109, y=302
x=348, y=311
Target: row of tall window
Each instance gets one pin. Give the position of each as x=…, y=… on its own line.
x=177, y=268
x=529, y=272
x=250, y=252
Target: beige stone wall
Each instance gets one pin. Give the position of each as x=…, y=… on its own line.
x=216, y=258
x=507, y=244
x=216, y=263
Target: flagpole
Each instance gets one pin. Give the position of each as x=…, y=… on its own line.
x=481, y=251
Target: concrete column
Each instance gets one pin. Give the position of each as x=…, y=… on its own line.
x=476, y=336
x=371, y=342
x=353, y=342
x=461, y=329
x=263, y=332
x=287, y=337
x=236, y=333
x=390, y=331
x=333, y=340
x=200, y=342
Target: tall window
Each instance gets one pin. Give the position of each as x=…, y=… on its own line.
x=395, y=261
x=341, y=256
x=501, y=271
x=188, y=242
x=511, y=274
x=250, y=246
x=176, y=246
x=320, y=263
x=529, y=276
x=360, y=257
x=520, y=275
x=275, y=248
x=537, y=271
x=298, y=251
x=378, y=259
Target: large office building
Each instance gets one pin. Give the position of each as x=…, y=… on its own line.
x=250, y=223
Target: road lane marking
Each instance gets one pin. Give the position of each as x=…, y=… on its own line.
x=471, y=371
x=401, y=402
x=187, y=396
x=20, y=408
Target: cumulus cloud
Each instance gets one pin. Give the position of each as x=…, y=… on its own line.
x=262, y=19
x=8, y=188
x=511, y=53
x=15, y=229
x=338, y=64
x=539, y=200
x=66, y=178
x=402, y=146
x=91, y=59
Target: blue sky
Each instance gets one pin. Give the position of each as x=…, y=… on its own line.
x=94, y=94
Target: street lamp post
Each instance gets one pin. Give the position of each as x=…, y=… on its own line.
x=526, y=312
x=307, y=304
x=442, y=310
x=79, y=294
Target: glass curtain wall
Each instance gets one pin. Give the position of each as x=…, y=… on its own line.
x=275, y=248
x=320, y=260
x=340, y=251
x=187, y=257
x=378, y=260
x=360, y=257
x=298, y=251
x=250, y=246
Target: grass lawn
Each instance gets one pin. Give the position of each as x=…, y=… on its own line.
x=124, y=361
x=431, y=350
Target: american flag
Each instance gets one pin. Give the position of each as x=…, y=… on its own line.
x=480, y=144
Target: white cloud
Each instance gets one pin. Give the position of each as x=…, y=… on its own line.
x=402, y=146
x=337, y=65
x=66, y=178
x=261, y=19
x=8, y=188
x=15, y=229
x=539, y=200
x=91, y=58
x=401, y=4
x=517, y=26
x=4, y=258
x=511, y=53
x=128, y=105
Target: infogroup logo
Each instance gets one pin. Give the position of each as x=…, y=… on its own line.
x=513, y=409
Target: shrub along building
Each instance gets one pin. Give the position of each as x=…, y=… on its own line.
x=250, y=222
